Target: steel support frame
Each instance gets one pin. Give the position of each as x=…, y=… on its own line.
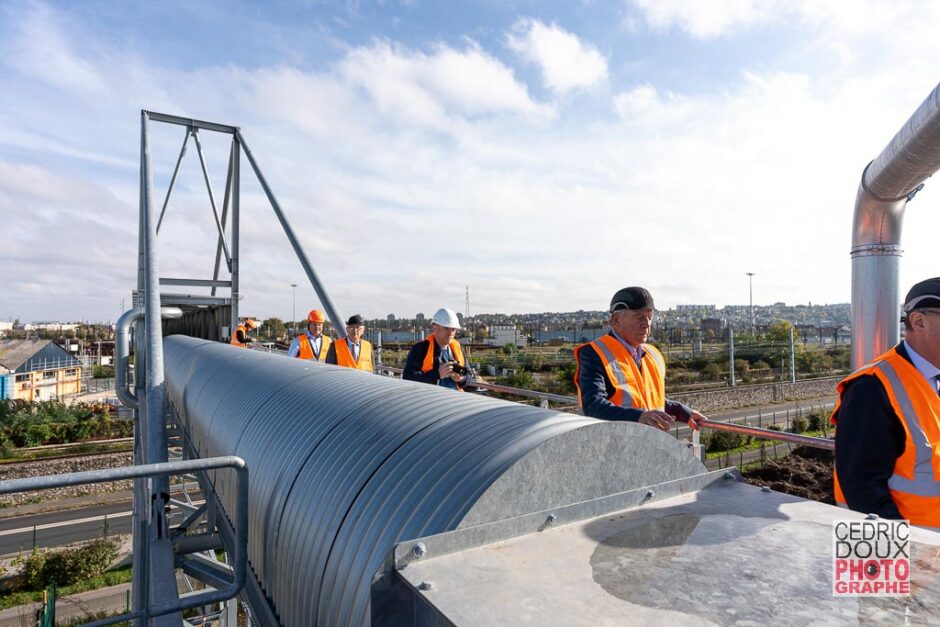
x=232, y=199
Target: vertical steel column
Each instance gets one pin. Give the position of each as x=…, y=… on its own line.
x=160, y=582
x=338, y=323
x=236, y=226
x=226, y=198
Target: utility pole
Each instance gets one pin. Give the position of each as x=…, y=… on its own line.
x=293, y=313
x=750, y=281
x=792, y=360
x=466, y=315
x=731, y=352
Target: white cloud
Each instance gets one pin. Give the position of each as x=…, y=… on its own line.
x=567, y=63
x=40, y=29
x=834, y=20
x=707, y=19
x=429, y=89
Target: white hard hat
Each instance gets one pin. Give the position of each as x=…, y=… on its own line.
x=446, y=318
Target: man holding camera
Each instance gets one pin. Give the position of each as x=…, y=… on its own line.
x=438, y=359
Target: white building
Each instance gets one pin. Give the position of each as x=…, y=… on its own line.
x=503, y=334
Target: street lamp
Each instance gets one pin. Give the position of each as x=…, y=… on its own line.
x=750, y=281
x=293, y=313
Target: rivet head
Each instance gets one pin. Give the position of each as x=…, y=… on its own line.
x=871, y=516
x=650, y=494
x=419, y=550
x=765, y=488
x=425, y=585
x=729, y=476
x=551, y=519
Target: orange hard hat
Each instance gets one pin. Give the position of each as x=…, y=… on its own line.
x=316, y=315
x=250, y=323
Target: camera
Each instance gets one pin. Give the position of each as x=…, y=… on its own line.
x=458, y=369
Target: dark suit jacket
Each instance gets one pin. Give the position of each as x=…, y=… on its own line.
x=869, y=440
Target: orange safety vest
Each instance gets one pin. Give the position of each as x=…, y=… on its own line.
x=344, y=356
x=915, y=483
x=234, y=341
x=306, y=348
x=633, y=387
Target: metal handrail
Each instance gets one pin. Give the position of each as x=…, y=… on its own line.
x=770, y=434
x=716, y=425
x=164, y=469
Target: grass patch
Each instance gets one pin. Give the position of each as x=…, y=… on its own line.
x=756, y=444
x=109, y=578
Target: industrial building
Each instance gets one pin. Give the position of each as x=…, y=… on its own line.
x=37, y=370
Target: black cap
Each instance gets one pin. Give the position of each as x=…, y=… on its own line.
x=631, y=298
x=354, y=321
x=924, y=294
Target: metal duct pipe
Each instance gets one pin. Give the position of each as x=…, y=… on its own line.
x=887, y=184
x=122, y=348
x=345, y=464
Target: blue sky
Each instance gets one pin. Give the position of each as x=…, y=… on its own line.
x=545, y=154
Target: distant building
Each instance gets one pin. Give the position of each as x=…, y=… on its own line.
x=5, y=328
x=37, y=370
x=503, y=334
x=56, y=327
x=695, y=308
x=419, y=319
x=390, y=318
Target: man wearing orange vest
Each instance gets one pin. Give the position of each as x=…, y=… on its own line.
x=888, y=422
x=240, y=337
x=438, y=359
x=311, y=344
x=352, y=351
x=620, y=377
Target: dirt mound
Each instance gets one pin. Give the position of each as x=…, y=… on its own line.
x=806, y=472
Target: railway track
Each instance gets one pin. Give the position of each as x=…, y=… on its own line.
x=68, y=451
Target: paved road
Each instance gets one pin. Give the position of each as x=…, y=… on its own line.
x=64, y=527
x=58, y=528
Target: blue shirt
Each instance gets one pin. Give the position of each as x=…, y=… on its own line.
x=445, y=356
x=927, y=369
x=637, y=353
x=354, y=349
x=315, y=343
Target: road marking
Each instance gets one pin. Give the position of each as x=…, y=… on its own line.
x=79, y=521
x=65, y=523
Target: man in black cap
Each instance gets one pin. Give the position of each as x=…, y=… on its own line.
x=621, y=377
x=888, y=422
x=352, y=352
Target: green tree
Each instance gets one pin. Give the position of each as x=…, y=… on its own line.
x=780, y=330
x=712, y=371
x=273, y=328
